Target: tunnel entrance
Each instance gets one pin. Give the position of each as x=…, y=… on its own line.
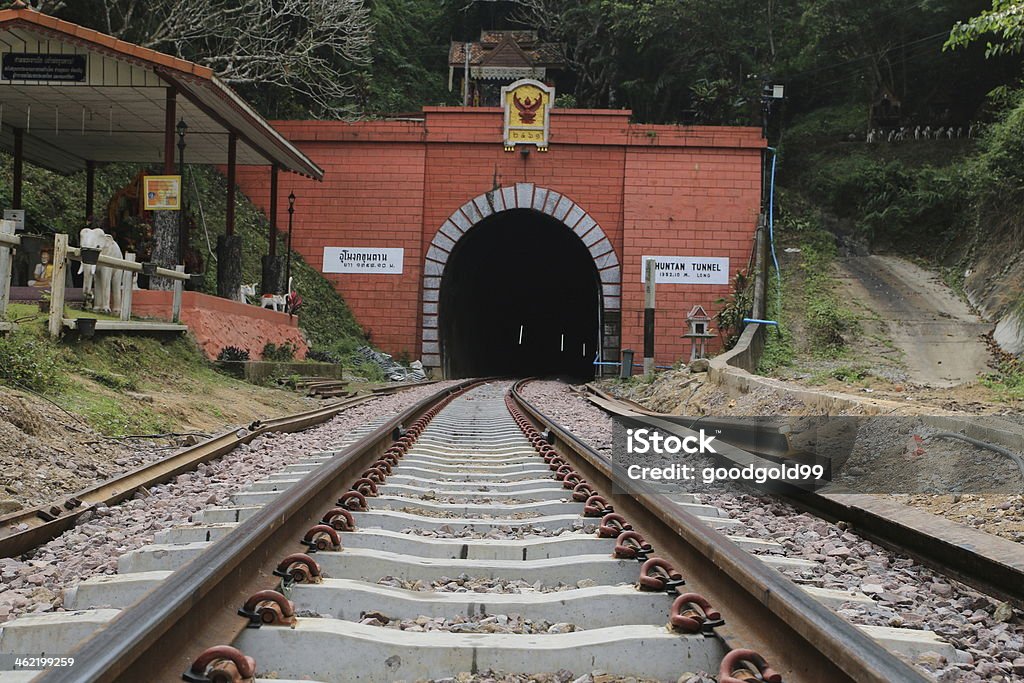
x=520, y=296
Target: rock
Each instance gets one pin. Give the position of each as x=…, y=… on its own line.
x=8, y=505
x=586, y=583
x=942, y=589
x=930, y=659
x=1003, y=613
x=699, y=365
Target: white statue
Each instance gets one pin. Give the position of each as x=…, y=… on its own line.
x=246, y=292
x=100, y=282
x=278, y=302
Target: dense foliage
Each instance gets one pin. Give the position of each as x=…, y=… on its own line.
x=668, y=60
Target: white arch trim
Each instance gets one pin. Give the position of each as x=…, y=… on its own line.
x=520, y=196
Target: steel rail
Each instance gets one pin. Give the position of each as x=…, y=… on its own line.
x=158, y=637
x=46, y=522
x=763, y=609
x=988, y=563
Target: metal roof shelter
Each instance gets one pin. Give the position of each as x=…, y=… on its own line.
x=72, y=97
x=109, y=102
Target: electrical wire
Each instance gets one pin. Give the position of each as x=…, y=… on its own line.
x=202, y=214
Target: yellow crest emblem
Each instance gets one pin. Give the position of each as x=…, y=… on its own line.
x=527, y=105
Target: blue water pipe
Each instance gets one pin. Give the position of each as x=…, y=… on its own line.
x=635, y=365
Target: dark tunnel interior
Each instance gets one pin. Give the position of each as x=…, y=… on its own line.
x=520, y=296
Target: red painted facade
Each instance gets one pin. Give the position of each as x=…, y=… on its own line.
x=653, y=190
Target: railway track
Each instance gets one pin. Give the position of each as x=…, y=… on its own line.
x=441, y=542
x=26, y=529
x=989, y=563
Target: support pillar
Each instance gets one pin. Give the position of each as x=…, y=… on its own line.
x=165, y=223
x=229, y=266
x=229, y=245
x=90, y=189
x=272, y=238
x=229, y=211
x=19, y=167
x=273, y=267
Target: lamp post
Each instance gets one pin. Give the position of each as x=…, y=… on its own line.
x=182, y=235
x=291, y=216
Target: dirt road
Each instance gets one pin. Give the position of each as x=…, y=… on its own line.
x=941, y=339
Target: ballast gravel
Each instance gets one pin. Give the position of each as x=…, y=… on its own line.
x=987, y=633
x=464, y=583
x=93, y=546
x=561, y=676
x=491, y=623
x=503, y=532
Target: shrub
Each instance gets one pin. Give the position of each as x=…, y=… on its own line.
x=232, y=353
x=279, y=353
x=30, y=363
x=322, y=357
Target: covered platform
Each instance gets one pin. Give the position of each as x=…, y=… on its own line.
x=72, y=98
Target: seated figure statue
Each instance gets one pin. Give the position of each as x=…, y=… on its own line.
x=43, y=272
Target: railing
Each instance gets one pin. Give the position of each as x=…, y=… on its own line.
x=63, y=254
x=8, y=240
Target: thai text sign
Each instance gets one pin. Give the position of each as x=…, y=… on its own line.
x=20, y=66
x=379, y=260
x=687, y=270
x=161, y=193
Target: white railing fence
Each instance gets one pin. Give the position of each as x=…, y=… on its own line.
x=63, y=254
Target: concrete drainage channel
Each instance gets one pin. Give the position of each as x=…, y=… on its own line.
x=453, y=551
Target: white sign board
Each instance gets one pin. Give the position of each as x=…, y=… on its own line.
x=687, y=270
x=371, y=260
x=16, y=215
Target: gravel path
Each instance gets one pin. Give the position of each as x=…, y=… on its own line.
x=92, y=547
x=988, y=634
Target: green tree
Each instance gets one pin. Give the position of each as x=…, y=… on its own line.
x=1005, y=20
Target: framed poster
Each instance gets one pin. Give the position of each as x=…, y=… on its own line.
x=161, y=193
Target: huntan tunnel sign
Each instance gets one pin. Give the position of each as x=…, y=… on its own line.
x=365, y=260
x=687, y=270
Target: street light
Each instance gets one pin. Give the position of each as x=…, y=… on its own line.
x=291, y=216
x=182, y=235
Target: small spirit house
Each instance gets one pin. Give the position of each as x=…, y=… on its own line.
x=699, y=332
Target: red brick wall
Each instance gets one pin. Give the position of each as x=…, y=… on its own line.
x=371, y=196
x=657, y=190
x=684, y=202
